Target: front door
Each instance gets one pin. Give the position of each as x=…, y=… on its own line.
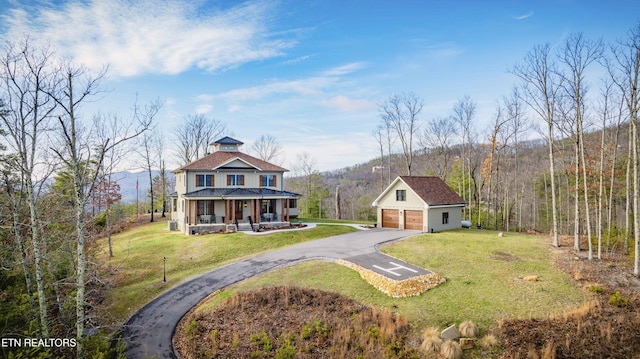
x=239, y=210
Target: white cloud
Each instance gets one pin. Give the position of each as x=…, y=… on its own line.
x=345, y=69
x=148, y=36
x=204, y=109
x=295, y=61
x=312, y=85
x=344, y=103
x=308, y=86
x=525, y=16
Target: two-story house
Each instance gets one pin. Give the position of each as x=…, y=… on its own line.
x=229, y=188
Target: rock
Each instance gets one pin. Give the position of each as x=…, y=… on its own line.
x=466, y=343
x=499, y=235
x=450, y=333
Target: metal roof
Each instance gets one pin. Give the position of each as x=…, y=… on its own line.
x=240, y=192
x=229, y=141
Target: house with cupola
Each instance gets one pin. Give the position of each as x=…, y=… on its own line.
x=230, y=190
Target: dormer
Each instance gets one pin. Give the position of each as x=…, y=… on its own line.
x=226, y=144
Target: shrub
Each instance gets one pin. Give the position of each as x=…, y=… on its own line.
x=468, y=329
x=430, y=332
x=450, y=350
x=286, y=351
x=489, y=341
x=594, y=288
x=618, y=300
x=431, y=345
x=305, y=332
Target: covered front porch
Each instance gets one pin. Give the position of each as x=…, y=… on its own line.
x=206, y=212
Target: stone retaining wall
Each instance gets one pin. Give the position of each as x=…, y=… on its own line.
x=396, y=289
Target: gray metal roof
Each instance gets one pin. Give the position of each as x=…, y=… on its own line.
x=240, y=192
x=229, y=141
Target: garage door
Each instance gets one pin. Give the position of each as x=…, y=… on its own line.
x=390, y=218
x=413, y=220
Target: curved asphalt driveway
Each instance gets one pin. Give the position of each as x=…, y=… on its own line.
x=148, y=332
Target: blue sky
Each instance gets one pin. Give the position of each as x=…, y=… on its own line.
x=311, y=73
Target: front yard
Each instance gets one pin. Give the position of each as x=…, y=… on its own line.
x=137, y=267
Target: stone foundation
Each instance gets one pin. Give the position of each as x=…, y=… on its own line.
x=396, y=289
x=210, y=228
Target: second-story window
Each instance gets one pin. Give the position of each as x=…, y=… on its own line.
x=204, y=180
x=401, y=195
x=235, y=180
x=268, y=180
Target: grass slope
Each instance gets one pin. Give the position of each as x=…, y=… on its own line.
x=484, y=280
x=138, y=258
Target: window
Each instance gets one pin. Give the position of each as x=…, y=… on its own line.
x=268, y=180
x=401, y=195
x=204, y=180
x=445, y=217
x=205, y=207
x=235, y=180
x=293, y=203
x=268, y=205
x=175, y=205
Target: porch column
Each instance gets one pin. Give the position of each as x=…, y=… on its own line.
x=233, y=211
x=288, y=209
x=226, y=211
x=188, y=211
x=257, y=211
x=282, y=209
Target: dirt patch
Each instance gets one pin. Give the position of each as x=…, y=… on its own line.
x=288, y=322
x=502, y=256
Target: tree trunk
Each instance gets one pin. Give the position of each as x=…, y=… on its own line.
x=554, y=208
x=338, y=211
x=576, y=198
x=38, y=255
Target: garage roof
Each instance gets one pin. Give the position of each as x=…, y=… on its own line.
x=432, y=190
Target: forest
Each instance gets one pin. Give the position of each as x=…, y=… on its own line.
x=560, y=158
x=560, y=155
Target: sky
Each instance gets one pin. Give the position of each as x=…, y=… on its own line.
x=310, y=73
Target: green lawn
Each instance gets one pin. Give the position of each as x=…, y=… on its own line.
x=482, y=272
x=138, y=258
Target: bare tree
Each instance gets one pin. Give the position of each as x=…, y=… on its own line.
x=437, y=137
x=194, y=135
x=464, y=112
x=385, y=138
x=148, y=145
x=540, y=87
x=577, y=54
x=378, y=134
x=625, y=73
x=401, y=113
x=83, y=154
x=267, y=148
x=27, y=75
x=517, y=124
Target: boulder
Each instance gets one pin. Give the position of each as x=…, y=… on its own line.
x=450, y=333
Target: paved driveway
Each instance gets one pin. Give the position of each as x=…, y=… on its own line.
x=149, y=331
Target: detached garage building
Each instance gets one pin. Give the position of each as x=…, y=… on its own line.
x=419, y=203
